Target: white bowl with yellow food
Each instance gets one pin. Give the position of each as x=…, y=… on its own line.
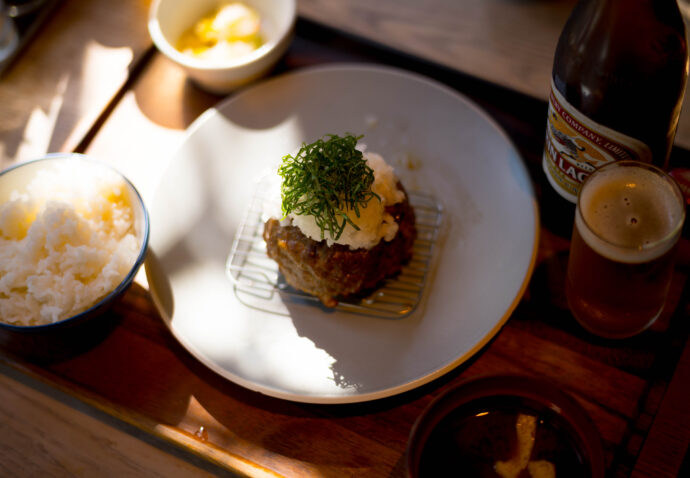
x=223, y=44
x=73, y=234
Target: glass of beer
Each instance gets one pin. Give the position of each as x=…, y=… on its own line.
x=628, y=219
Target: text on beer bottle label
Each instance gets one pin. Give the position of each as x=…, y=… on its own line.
x=575, y=146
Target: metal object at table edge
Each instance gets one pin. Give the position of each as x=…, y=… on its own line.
x=25, y=21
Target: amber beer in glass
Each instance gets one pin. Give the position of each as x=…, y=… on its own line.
x=628, y=219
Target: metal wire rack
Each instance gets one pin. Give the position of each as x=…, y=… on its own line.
x=258, y=282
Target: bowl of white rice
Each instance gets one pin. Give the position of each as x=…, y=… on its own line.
x=73, y=234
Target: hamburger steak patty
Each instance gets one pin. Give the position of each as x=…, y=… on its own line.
x=338, y=271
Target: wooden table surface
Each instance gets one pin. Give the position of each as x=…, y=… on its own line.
x=134, y=402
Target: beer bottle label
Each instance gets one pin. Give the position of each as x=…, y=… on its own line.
x=575, y=146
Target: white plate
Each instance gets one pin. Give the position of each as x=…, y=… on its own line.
x=438, y=142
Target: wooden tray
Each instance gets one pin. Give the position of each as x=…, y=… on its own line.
x=136, y=371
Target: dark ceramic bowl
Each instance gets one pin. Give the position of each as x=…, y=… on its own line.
x=40, y=338
x=473, y=429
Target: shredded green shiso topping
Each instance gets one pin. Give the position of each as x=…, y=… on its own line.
x=324, y=179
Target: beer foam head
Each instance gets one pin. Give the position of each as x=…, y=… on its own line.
x=630, y=213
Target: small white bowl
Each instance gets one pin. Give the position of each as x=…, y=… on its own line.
x=168, y=19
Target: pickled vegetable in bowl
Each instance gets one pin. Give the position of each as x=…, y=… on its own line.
x=231, y=31
x=223, y=44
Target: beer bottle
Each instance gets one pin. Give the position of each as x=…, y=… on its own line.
x=617, y=86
